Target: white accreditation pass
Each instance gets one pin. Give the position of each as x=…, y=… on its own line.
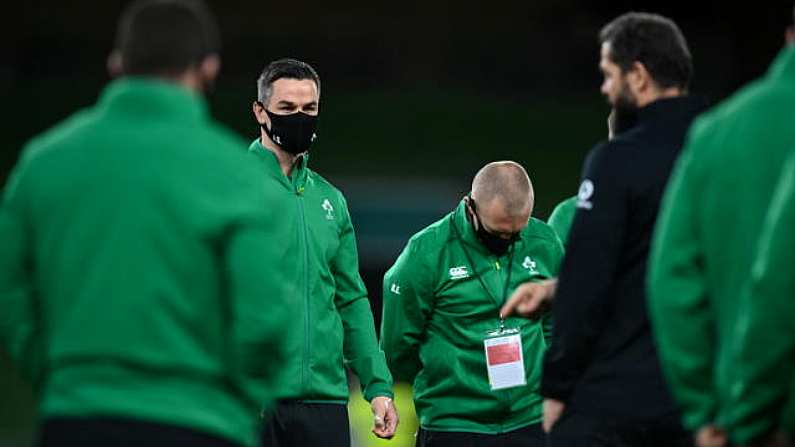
x=504, y=359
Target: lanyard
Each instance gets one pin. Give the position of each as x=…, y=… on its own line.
x=480, y=279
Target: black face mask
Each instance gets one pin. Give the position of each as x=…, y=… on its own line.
x=294, y=133
x=493, y=243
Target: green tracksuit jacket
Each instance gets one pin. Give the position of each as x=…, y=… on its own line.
x=562, y=216
x=132, y=280
x=762, y=396
x=335, y=325
x=707, y=231
x=437, y=312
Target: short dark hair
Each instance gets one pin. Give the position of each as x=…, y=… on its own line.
x=166, y=36
x=653, y=40
x=283, y=68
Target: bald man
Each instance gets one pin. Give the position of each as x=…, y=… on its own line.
x=475, y=376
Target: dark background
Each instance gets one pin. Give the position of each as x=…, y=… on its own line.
x=416, y=96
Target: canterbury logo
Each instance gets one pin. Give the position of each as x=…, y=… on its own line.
x=459, y=272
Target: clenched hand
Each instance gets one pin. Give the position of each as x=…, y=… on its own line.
x=385, y=417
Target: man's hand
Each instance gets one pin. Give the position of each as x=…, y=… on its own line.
x=552, y=411
x=385, y=417
x=531, y=299
x=711, y=436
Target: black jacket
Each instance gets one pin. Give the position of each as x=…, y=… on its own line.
x=602, y=360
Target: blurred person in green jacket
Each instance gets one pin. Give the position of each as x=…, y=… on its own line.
x=475, y=376
x=142, y=282
x=762, y=393
x=706, y=238
x=334, y=322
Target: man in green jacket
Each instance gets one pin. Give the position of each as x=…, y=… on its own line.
x=335, y=325
x=762, y=392
x=141, y=274
x=706, y=237
x=475, y=376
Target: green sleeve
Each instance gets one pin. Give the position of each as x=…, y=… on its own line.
x=260, y=309
x=18, y=326
x=762, y=382
x=558, y=252
x=408, y=297
x=546, y=326
x=680, y=312
x=360, y=345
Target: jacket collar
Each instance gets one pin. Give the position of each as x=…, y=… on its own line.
x=300, y=170
x=153, y=98
x=668, y=109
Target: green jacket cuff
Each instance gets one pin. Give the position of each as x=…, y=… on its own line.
x=378, y=389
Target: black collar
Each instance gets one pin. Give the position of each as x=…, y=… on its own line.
x=678, y=107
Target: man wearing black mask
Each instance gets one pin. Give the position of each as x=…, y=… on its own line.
x=335, y=319
x=475, y=376
x=602, y=381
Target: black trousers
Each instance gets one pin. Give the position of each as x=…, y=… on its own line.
x=296, y=424
x=579, y=430
x=780, y=439
x=119, y=432
x=530, y=436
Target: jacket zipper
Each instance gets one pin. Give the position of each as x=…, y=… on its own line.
x=299, y=192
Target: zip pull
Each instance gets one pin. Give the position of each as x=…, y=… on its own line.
x=299, y=191
x=497, y=265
